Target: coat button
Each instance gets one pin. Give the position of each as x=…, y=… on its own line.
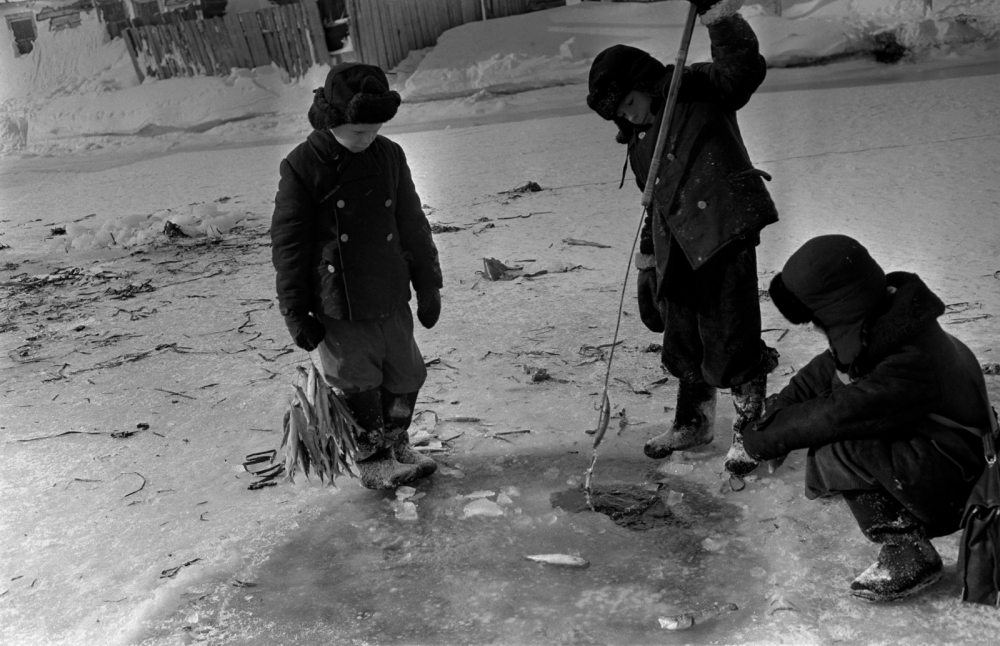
x=388, y=202
x=389, y=238
x=340, y=204
x=642, y=135
x=670, y=157
x=343, y=238
x=657, y=181
x=331, y=269
x=702, y=204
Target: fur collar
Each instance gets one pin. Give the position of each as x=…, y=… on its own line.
x=908, y=311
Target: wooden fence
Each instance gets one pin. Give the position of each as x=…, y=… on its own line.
x=383, y=32
x=289, y=35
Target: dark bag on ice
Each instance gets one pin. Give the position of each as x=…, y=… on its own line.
x=979, y=552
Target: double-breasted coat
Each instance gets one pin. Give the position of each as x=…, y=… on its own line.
x=348, y=233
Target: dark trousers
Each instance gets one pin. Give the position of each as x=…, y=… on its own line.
x=711, y=318
x=932, y=479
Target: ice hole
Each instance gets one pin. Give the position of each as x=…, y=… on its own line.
x=628, y=506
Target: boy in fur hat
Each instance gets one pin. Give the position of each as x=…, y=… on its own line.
x=881, y=411
x=697, y=262
x=348, y=238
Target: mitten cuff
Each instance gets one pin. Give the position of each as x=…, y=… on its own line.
x=645, y=261
x=720, y=10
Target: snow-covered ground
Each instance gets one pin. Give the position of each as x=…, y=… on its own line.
x=154, y=538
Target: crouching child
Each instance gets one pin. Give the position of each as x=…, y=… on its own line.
x=348, y=238
x=881, y=411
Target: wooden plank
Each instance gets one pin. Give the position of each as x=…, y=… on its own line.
x=416, y=33
x=228, y=50
x=255, y=39
x=286, y=46
x=197, y=53
x=297, y=14
x=278, y=54
x=357, y=37
x=179, y=48
x=270, y=43
x=413, y=35
x=291, y=38
x=130, y=45
x=429, y=37
x=391, y=25
x=238, y=39
x=194, y=35
x=378, y=53
x=429, y=13
x=154, y=51
x=207, y=35
x=295, y=37
x=167, y=47
x=362, y=32
x=213, y=40
x=318, y=36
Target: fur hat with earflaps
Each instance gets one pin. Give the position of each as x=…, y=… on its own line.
x=353, y=93
x=832, y=281
x=615, y=72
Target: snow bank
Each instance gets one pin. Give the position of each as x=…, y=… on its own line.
x=194, y=221
x=70, y=61
x=78, y=83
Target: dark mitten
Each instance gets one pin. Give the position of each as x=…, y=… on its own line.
x=307, y=332
x=428, y=307
x=648, y=311
x=712, y=10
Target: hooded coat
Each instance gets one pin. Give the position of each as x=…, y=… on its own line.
x=708, y=194
x=348, y=233
x=908, y=369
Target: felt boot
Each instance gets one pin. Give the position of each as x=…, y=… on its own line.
x=378, y=467
x=397, y=411
x=748, y=399
x=907, y=561
x=694, y=421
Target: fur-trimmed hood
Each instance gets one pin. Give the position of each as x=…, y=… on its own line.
x=908, y=310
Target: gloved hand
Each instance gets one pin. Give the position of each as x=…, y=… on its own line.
x=712, y=10
x=648, y=311
x=307, y=332
x=428, y=307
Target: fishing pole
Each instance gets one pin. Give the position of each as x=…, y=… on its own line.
x=604, y=417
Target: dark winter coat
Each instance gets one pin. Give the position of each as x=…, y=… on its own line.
x=348, y=234
x=908, y=368
x=708, y=194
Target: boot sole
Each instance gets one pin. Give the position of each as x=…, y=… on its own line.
x=874, y=597
x=663, y=453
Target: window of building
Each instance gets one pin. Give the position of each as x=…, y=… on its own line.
x=22, y=25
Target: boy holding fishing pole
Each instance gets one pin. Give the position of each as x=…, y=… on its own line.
x=348, y=239
x=697, y=281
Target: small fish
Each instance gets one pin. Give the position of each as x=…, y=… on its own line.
x=565, y=560
x=686, y=620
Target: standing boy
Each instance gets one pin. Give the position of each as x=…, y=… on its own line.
x=697, y=262
x=348, y=237
x=881, y=411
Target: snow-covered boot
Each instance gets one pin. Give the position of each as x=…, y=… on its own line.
x=397, y=411
x=748, y=399
x=374, y=458
x=694, y=421
x=907, y=561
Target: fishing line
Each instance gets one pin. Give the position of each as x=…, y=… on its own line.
x=605, y=416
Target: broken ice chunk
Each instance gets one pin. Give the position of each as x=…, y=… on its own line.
x=482, y=507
